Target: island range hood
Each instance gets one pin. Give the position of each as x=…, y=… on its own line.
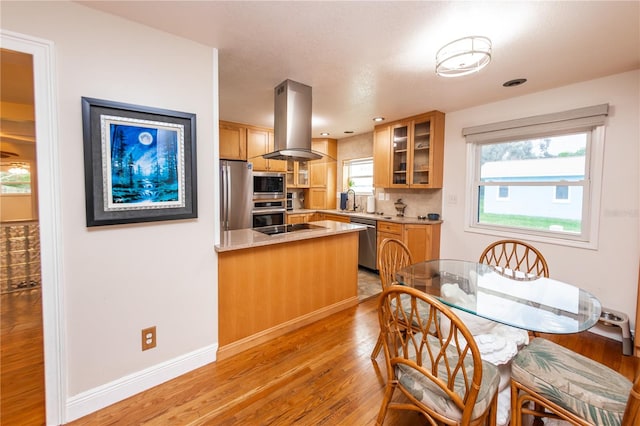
x=292, y=123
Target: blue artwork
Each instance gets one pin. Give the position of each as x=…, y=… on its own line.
x=145, y=165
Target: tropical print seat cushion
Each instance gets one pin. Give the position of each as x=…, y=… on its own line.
x=425, y=391
x=585, y=387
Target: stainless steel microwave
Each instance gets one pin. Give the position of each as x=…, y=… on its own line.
x=269, y=185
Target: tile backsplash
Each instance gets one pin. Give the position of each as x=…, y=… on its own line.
x=419, y=202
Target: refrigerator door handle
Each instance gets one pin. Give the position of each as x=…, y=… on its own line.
x=225, y=197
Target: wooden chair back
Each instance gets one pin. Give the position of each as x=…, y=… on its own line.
x=422, y=335
x=393, y=255
x=515, y=255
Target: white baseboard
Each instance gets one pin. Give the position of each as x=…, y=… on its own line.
x=95, y=399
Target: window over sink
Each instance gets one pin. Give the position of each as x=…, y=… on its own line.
x=358, y=175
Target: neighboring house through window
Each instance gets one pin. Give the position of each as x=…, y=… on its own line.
x=562, y=193
x=523, y=171
x=503, y=193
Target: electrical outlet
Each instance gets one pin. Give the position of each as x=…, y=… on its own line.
x=148, y=338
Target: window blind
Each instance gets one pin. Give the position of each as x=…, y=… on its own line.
x=530, y=127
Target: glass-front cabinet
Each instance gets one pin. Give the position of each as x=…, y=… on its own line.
x=416, y=151
x=400, y=153
x=297, y=174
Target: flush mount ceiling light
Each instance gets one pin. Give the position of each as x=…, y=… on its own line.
x=378, y=119
x=463, y=56
x=325, y=134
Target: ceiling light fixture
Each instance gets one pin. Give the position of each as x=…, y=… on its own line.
x=325, y=134
x=463, y=56
x=378, y=119
x=19, y=169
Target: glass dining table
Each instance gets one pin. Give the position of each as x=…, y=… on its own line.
x=509, y=297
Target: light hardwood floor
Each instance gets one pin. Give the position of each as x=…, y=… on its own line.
x=320, y=374
x=21, y=359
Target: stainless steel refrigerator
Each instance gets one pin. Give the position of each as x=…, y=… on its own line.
x=236, y=194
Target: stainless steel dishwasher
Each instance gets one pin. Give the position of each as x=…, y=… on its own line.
x=367, y=247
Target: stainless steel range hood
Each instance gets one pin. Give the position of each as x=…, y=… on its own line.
x=292, y=123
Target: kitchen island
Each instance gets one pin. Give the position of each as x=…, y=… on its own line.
x=271, y=284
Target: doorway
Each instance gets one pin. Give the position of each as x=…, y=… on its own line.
x=48, y=210
x=22, y=399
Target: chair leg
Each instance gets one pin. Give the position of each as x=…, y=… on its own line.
x=516, y=413
x=388, y=393
x=377, y=348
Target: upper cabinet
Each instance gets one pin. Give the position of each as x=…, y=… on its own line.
x=260, y=142
x=409, y=153
x=381, y=155
x=233, y=141
x=297, y=174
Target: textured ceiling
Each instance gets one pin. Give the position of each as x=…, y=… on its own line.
x=365, y=59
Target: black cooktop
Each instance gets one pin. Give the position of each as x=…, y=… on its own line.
x=283, y=229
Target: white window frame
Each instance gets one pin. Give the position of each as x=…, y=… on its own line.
x=591, y=120
x=346, y=170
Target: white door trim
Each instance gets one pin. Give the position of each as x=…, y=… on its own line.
x=49, y=217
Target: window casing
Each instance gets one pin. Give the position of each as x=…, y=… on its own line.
x=551, y=168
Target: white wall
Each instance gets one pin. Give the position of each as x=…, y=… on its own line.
x=611, y=271
x=120, y=279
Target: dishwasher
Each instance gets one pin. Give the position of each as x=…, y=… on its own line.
x=367, y=246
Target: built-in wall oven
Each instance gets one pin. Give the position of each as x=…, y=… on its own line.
x=268, y=212
x=269, y=199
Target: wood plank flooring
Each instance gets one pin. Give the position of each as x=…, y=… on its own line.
x=318, y=375
x=21, y=359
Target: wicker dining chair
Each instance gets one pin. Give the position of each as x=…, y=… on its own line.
x=515, y=255
x=433, y=359
x=393, y=254
x=549, y=380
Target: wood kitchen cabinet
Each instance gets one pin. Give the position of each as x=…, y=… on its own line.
x=381, y=155
x=299, y=217
x=321, y=194
x=415, y=152
x=304, y=217
x=334, y=217
x=423, y=241
x=233, y=141
x=297, y=174
x=260, y=142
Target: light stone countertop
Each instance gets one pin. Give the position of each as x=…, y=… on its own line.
x=247, y=238
x=384, y=217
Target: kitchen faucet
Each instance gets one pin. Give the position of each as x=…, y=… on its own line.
x=351, y=191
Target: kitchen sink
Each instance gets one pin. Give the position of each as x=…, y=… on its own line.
x=283, y=229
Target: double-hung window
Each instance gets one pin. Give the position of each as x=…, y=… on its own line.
x=538, y=177
x=358, y=175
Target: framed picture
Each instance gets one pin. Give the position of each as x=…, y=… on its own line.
x=139, y=163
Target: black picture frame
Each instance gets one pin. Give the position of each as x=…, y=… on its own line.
x=139, y=163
